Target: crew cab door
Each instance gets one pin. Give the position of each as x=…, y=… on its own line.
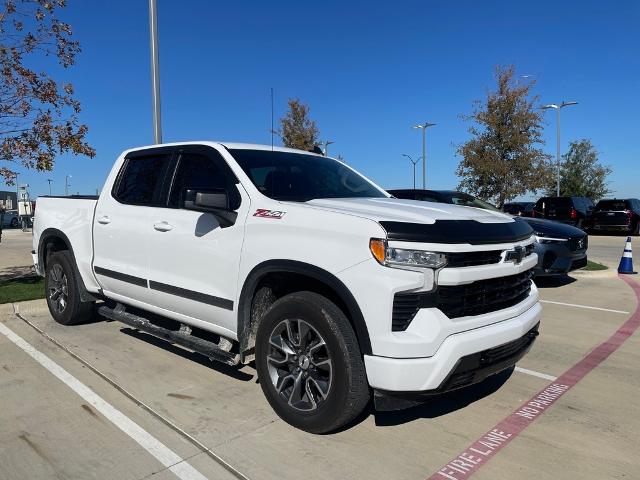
x=120, y=230
x=194, y=256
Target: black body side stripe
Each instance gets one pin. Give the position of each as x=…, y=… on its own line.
x=191, y=295
x=123, y=277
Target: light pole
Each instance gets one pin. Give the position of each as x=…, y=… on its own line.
x=414, y=162
x=326, y=147
x=557, y=109
x=155, y=72
x=66, y=185
x=424, y=127
x=49, y=180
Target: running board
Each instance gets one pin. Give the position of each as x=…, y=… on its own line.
x=197, y=344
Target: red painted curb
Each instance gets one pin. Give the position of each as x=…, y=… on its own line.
x=482, y=450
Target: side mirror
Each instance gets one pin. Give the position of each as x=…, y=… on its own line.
x=216, y=202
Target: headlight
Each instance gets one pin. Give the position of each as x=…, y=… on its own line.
x=403, y=257
x=543, y=238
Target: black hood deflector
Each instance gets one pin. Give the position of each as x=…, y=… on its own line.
x=458, y=231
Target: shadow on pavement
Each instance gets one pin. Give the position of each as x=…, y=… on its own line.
x=7, y=273
x=446, y=403
x=189, y=355
x=554, y=281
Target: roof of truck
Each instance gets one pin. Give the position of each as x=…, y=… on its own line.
x=229, y=145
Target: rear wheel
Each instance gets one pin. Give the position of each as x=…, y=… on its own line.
x=63, y=298
x=14, y=222
x=309, y=363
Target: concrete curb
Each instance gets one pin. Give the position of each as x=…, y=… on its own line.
x=31, y=307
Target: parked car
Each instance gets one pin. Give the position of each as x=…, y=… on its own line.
x=296, y=262
x=519, y=209
x=575, y=211
x=617, y=215
x=561, y=248
x=11, y=219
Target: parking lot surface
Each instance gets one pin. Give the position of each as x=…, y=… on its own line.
x=60, y=387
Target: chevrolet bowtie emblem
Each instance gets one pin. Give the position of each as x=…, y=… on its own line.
x=516, y=255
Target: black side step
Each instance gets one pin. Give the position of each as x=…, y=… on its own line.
x=197, y=344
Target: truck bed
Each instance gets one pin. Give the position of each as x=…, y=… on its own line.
x=73, y=216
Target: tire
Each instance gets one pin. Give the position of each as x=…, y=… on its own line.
x=14, y=222
x=61, y=290
x=326, y=362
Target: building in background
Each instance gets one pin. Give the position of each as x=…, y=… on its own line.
x=9, y=200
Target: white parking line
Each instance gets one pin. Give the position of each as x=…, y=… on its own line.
x=536, y=374
x=586, y=306
x=161, y=452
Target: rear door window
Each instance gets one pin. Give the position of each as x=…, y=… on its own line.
x=141, y=180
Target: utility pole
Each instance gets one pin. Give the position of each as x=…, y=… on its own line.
x=155, y=72
x=424, y=127
x=66, y=185
x=557, y=108
x=49, y=180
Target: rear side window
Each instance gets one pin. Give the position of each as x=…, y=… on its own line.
x=512, y=208
x=559, y=202
x=195, y=172
x=611, y=205
x=141, y=180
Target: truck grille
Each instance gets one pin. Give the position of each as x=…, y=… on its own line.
x=468, y=259
x=477, y=298
x=471, y=259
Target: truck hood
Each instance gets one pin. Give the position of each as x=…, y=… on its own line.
x=409, y=211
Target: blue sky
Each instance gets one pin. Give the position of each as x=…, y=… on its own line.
x=368, y=71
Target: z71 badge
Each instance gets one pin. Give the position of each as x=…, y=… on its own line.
x=263, y=212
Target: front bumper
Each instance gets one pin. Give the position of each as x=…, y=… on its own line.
x=558, y=259
x=613, y=228
x=435, y=374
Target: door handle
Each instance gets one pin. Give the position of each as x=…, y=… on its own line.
x=104, y=220
x=162, y=227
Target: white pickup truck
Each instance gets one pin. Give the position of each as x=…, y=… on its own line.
x=336, y=290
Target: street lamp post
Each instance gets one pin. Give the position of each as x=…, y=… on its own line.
x=424, y=127
x=557, y=108
x=155, y=72
x=326, y=147
x=66, y=185
x=414, y=162
x=49, y=180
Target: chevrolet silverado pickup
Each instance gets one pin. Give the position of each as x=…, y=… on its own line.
x=294, y=261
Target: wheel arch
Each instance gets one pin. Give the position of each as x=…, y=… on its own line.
x=319, y=277
x=54, y=240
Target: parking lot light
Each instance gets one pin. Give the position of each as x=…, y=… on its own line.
x=557, y=109
x=413, y=162
x=424, y=127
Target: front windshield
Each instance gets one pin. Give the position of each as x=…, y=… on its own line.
x=299, y=177
x=469, y=201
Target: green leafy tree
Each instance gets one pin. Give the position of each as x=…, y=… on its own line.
x=581, y=173
x=297, y=129
x=502, y=159
x=38, y=115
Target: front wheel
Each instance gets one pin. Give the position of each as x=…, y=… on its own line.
x=63, y=297
x=309, y=363
x=14, y=222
